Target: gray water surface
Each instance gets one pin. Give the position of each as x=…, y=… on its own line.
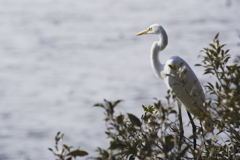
x=60, y=57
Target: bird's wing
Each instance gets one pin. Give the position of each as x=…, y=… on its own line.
x=185, y=84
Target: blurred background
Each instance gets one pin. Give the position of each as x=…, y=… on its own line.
x=60, y=57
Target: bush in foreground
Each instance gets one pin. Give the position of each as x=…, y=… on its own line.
x=158, y=134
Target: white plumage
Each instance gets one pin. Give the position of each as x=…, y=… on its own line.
x=182, y=81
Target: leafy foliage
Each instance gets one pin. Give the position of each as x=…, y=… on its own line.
x=226, y=101
x=65, y=152
x=154, y=135
x=159, y=132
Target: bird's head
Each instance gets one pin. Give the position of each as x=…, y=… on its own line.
x=153, y=29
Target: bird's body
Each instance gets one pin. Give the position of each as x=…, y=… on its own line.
x=190, y=92
x=176, y=73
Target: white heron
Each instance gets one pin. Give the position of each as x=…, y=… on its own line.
x=181, y=79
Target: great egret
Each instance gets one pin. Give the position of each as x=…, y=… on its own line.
x=181, y=80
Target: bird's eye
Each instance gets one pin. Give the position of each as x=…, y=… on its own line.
x=150, y=29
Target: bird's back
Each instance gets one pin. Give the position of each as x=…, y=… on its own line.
x=184, y=83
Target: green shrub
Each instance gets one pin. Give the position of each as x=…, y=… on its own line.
x=158, y=133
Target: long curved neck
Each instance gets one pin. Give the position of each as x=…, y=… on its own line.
x=158, y=46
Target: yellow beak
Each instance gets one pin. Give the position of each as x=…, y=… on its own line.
x=142, y=32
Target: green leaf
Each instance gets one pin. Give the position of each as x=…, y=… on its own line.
x=103, y=152
x=99, y=105
x=226, y=59
x=180, y=65
x=212, y=45
x=216, y=37
x=213, y=52
x=77, y=153
x=58, y=137
x=198, y=65
x=120, y=119
x=144, y=108
x=58, y=133
x=116, y=102
x=222, y=46
x=169, y=143
x=210, y=85
x=116, y=145
x=217, y=41
x=173, y=67
x=173, y=112
x=170, y=75
x=134, y=120
x=148, y=109
x=67, y=147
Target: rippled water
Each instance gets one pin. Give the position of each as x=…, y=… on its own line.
x=59, y=57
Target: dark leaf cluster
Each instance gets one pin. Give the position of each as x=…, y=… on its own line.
x=65, y=152
x=226, y=98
